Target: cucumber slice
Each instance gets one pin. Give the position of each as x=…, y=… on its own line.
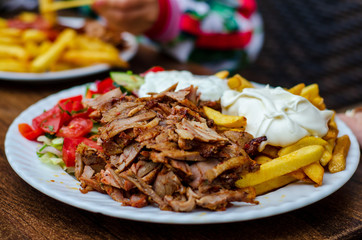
x=130, y=82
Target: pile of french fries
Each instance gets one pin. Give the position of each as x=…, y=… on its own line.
x=31, y=50
x=306, y=160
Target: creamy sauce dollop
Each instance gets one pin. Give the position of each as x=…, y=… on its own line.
x=210, y=87
x=284, y=118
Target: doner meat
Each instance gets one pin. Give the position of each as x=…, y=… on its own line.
x=163, y=151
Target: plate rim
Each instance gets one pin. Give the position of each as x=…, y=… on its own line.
x=196, y=217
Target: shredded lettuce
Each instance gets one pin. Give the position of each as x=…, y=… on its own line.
x=51, y=150
x=51, y=158
x=57, y=143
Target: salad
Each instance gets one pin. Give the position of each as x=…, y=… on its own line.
x=62, y=128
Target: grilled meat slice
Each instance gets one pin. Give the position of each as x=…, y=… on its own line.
x=220, y=200
x=105, y=101
x=252, y=146
x=120, y=110
x=199, y=131
x=88, y=156
x=183, y=205
x=167, y=183
x=231, y=163
x=145, y=188
x=129, y=154
x=116, y=126
x=181, y=166
x=199, y=170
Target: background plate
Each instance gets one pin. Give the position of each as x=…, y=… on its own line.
x=127, y=54
x=54, y=182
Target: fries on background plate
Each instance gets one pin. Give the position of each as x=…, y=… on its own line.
x=32, y=43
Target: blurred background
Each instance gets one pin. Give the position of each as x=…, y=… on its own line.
x=305, y=41
x=312, y=42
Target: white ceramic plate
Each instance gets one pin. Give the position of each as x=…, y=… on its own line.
x=54, y=182
x=127, y=54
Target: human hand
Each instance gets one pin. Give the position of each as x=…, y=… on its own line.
x=134, y=16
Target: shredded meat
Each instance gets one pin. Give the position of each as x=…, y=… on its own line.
x=220, y=200
x=162, y=150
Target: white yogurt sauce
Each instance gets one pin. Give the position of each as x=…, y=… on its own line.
x=282, y=117
x=210, y=87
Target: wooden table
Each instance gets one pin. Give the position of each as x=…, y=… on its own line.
x=28, y=214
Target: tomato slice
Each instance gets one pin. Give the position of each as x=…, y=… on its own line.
x=28, y=132
x=70, y=146
x=105, y=86
x=50, y=121
x=77, y=127
x=71, y=104
x=83, y=114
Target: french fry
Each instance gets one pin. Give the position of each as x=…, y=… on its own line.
x=318, y=102
x=273, y=184
x=10, y=32
x=48, y=8
x=12, y=65
x=46, y=11
x=225, y=120
x=27, y=17
x=261, y=159
x=31, y=48
x=50, y=17
x=87, y=57
x=44, y=46
x=327, y=154
x=297, y=89
x=55, y=6
x=282, y=165
x=33, y=35
x=333, y=129
x=18, y=52
x=238, y=83
x=315, y=172
x=83, y=42
x=300, y=175
x=222, y=74
x=310, y=92
x=340, y=152
x=306, y=141
x=43, y=61
x=5, y=40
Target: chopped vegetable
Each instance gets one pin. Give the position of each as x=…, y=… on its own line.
x=28, y=132
x=77, y=127
x=129, y=81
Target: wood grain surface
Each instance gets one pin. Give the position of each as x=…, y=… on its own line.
x=28, y=214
